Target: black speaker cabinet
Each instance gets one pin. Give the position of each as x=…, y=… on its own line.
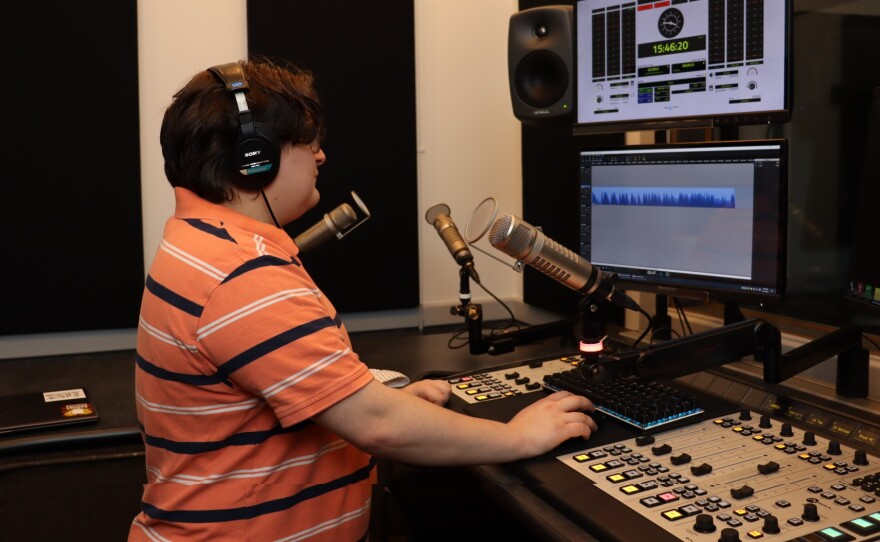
x=540, y=63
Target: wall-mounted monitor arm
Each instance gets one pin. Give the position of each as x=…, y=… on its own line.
x=712, y=348
x=695, y=352
x=733, y=342
x=852, y=361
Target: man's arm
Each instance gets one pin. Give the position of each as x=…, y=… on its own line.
x=397, y=425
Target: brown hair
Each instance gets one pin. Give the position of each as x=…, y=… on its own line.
x=200, y=128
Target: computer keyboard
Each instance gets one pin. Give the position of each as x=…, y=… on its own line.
x=644, y=405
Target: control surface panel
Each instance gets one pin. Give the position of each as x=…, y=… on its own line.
x=752, y=475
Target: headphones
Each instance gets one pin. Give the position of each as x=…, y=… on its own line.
x=257, y=151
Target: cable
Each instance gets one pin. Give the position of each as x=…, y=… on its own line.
x=647, y=329
x=682, y=317
x=493, y=330
x=275, y=220
x=513, y=322
x=457, y=335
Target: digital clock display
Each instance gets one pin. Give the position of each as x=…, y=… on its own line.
x=671, y=47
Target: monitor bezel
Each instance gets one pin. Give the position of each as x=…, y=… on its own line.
x=687, y=121
x=708, y=292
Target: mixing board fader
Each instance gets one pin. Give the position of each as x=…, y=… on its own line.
x=739, y=478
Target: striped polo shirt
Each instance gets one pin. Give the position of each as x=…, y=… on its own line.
x=237, y=349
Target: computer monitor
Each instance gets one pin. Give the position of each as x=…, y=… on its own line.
x=704, y=220
x=657, y=64
x=863, y=287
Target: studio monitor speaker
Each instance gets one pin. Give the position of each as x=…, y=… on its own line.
x=540, y=63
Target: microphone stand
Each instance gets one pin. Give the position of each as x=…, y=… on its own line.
x=472, y=312
x=501, y=343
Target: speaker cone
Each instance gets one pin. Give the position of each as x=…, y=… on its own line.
x=541, y=79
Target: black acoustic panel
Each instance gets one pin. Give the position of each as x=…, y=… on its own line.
x=551, y=195
x=363, y=56
x=73, y=250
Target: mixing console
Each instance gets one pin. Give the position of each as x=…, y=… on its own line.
x=732, y=465
x=756, y=477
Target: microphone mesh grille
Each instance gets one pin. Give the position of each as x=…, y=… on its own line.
x=511, y=236
x=519, y=240
x=499, y=229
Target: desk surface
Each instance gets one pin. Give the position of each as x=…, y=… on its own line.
x=109, y=376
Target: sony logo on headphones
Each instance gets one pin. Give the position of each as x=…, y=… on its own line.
x=252, y=153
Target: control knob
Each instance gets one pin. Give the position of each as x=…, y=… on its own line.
x=786, y=430
x=833, y=448
x=729, y=535
x=811, y=513
x=704, y=524
x=861, y=458
x=771, y=525
x=765, y=422
x=745, y=414
x=809, y=438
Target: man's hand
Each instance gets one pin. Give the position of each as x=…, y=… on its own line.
x=434, y=391
x=552, y=420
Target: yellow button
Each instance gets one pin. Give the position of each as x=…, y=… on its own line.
x=804, y=456
x=629, y=490
x=672, y=515
x=481, y=397
x=829, y=466
x=738, y=429
x=580, y=458
x=463, y=386
x=741, y=512
x=599, y=467
x=719, y=421
x=615, y=478
x=472, y=392
x=780, y=446
x=756, y=534
x=758, y=437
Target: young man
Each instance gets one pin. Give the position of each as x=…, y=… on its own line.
x=259, y=421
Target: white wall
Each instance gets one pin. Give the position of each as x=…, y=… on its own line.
x=468, y=139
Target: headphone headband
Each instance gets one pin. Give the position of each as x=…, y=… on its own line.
x=232, y=76
x=258, y=151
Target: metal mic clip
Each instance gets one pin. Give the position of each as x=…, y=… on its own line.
x=364, y=212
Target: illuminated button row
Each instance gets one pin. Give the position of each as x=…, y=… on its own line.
x=866, y=525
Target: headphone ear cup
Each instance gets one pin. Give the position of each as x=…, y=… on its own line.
x=257, y=159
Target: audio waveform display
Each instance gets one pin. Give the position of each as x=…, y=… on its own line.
x=653, y=196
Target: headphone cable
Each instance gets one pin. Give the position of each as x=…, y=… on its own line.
x=275, y=220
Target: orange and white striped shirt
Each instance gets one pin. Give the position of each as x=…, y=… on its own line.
x=237, y=349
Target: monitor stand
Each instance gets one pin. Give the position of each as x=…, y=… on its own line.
x=661, y=322
x=732, y=314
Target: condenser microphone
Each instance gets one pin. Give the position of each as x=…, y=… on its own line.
x=438, y=216
x=528, y=244
x=332, y=225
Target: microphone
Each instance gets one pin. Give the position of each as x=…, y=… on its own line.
x=528, y=244
x=438, y=216
x=333, y=224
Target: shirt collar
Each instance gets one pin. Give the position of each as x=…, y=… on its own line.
x=190, y=205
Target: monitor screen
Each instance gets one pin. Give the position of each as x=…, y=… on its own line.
x=863, y=288
x=649, y=64
x=704, y=220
